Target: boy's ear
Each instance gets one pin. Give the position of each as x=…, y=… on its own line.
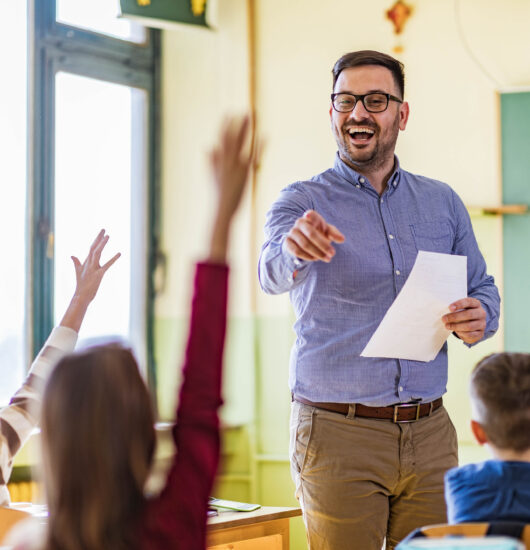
x=479, y=433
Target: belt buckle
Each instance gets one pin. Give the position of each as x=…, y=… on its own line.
x=396, y=411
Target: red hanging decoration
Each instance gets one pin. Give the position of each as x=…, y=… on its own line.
x=399, y=14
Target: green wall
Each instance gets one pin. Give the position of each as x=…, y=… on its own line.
x=255, y=462
x=515, y=131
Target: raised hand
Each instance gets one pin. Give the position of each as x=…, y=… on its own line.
x=88, y=278
x=230, y=162
x=468, y=321
x=311, y=236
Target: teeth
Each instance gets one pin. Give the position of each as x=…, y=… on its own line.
x=356, y=129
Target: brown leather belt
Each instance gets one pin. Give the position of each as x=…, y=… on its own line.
x=401, y=412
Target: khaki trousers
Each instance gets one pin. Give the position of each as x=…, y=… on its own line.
x=360, y=480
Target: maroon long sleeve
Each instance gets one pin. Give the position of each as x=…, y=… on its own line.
x=176, y=519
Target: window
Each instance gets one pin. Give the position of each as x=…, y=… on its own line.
x=99, y=16
x=95, y=81
x=13, y=98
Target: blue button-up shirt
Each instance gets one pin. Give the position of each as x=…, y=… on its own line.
x=339, y=305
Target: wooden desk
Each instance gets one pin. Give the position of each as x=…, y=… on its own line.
x=264, y=529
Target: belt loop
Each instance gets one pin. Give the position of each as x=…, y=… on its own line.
x=430, y=408
x=351, y=411
x=418, y=410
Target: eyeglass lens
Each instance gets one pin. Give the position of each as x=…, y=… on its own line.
x=374, y=103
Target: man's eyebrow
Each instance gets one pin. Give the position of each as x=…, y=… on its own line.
x=368, y=92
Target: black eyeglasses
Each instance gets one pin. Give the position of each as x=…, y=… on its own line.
x=375, y=102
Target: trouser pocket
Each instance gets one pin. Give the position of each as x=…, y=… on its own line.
x=300, y=429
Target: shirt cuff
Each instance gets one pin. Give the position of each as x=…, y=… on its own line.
x=292, y=263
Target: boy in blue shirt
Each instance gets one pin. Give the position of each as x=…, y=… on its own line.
x=497, y=489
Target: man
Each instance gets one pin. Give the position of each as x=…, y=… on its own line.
x=364, y=468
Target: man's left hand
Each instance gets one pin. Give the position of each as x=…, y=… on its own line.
x=468, y=321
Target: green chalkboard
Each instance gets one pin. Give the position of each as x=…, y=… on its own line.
x=515, y=130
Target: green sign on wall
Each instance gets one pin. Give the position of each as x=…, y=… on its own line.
x=162, y=13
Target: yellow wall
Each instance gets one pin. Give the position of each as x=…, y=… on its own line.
x=453, y=135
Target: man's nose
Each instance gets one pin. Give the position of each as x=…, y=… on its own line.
x=359, y=112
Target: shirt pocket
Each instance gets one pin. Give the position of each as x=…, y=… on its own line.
x=435, y=236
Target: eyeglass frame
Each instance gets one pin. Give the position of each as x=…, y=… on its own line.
x=361, y=98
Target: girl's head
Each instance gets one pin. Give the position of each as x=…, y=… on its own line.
x=98, y=444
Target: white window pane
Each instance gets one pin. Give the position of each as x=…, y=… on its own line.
x=99, y=16
x=100, y=183
x=12, y=210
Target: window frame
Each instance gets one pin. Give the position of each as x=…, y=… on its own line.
x=54, y=47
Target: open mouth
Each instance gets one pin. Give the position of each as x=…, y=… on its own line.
x=361, y=134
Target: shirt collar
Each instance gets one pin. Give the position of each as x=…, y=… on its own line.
x=358, y=180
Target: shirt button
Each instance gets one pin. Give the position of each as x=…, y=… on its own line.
x=398, y=272
x=381, y=201
x=390, y=236
x=395, y=183
x=358, y=186
x=362, y=180
x=400, y=388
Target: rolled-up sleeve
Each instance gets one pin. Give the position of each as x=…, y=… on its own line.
x=278, y=270
x=480, y=285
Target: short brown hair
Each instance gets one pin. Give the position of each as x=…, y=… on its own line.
x=500, y=389
x=371, y=57
x=98, y=444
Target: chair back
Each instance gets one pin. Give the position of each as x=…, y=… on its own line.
x=469, y=535
x=463, y=543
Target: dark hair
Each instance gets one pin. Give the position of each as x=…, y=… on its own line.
x=500, y=388
x=371, y=57
x=98, y=445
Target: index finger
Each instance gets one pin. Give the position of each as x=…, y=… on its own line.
x=330, y=231
x=233, y=134
x=464, y=303
x=314, y=218
x=334, y=234
x=98, y=249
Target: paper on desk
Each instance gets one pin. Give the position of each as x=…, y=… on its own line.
x=412, y=328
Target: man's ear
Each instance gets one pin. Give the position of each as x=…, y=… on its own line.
x=479, y=433
x=404, y=112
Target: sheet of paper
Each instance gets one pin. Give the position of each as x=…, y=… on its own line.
x=412, y=328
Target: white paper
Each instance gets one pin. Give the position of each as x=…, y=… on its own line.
x=412, y=328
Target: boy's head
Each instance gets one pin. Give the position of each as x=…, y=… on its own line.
x=500, y=396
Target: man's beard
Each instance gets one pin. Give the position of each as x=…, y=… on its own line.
x=368, y=159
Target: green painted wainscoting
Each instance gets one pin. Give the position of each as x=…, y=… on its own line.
x=255, y=417
x=515, y=132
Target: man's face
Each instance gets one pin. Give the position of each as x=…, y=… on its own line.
x=373, y=148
